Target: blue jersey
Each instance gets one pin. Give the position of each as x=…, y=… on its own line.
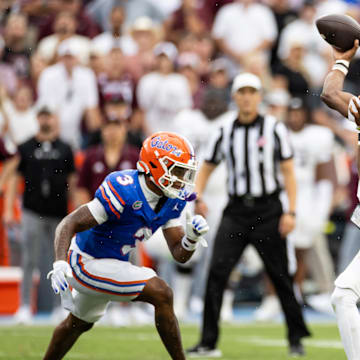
x=130, y=217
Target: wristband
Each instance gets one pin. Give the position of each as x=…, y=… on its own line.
x=341, y=68
x=187, y=244
x=343, y=62
x=292, y=213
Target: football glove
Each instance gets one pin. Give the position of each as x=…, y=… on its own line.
x=61, y=270
x=196, y=227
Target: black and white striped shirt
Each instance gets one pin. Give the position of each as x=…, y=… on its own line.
x=252, y=153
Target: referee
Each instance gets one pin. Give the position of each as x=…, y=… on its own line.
x=257, y=153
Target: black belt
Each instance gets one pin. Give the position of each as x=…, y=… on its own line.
x=249, y=200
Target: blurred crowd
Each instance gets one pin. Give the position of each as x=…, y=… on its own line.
x=88, y=80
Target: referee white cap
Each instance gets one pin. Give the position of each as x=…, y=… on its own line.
x=245, y=80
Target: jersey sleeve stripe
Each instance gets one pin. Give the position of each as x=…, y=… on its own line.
x=112, y=197
x=116, y=194
x=109, y=202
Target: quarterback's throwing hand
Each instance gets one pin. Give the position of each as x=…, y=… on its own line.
x=196, y=227
x=61, y=270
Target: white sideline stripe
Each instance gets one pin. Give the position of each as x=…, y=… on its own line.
x=113, y=200
x=335, y=344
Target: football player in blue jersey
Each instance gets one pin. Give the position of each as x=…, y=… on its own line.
x=92, y=244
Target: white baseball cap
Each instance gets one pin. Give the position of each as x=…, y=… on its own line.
x=245, y=80
x=166, y=48
x=143, y=23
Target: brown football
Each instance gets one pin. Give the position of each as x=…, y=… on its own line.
x=339, y=30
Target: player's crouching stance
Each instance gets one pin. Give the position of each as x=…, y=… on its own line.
x=347, y=285
x=92, y=244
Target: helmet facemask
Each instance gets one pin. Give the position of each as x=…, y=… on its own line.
x=178, y=180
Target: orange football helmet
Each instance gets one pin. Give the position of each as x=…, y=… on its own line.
x=169, y=159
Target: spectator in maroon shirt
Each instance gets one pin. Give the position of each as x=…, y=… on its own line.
x=16, y=52
x=116, y=81
x=85, y=25
x=112, y=155
x=194, y=16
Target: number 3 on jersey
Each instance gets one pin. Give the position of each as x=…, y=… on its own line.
x=124, y=180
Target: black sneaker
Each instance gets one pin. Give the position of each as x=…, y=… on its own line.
x=199, y=351
x=296, y=350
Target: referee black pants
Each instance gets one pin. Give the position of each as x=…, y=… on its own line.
x=255, y=224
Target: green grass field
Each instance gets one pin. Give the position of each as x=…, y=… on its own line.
x=247, y=342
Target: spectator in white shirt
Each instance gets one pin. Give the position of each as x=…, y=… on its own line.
x=71, y=90
x=162, y=93
x=243, y=27
x=18, y=116
x=64, y=28
x=115, y=36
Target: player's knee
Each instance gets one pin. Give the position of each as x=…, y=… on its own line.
x=85, y=327
x=78, y=325
x=164, y=294
x=343, y=297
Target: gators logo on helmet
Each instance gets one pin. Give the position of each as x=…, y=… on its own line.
x=169, y=159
